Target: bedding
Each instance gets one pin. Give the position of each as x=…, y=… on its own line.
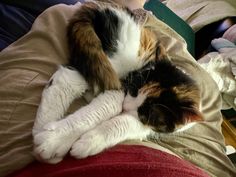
x=221, y=65
x=28, y=63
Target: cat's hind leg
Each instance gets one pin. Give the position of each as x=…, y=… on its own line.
x=53, y=143
x=109, y=133
x=64, y=86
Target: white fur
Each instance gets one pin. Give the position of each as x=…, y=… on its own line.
x=55, y=138
x=132, y=103
x=108, y=134
x=52, y=145
x=126, y=57
x=103, y=107
x=89, y=130
x=66, y=85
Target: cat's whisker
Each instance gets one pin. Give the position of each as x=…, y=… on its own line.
x=148, y=120
x=147, y=76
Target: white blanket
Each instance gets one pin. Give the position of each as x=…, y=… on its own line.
x=222, y=68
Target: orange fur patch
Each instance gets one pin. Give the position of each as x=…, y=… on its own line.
x=150, y=48
x=99, y=67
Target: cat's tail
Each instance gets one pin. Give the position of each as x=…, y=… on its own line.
x=88, y=33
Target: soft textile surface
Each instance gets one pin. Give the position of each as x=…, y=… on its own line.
x=132, y=161
x=179, y=25
x=17, y=17
x=199, y=13
x=28, y=63
x=221, y=65
x=13, y=18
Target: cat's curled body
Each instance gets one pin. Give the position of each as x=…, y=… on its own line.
x=138, y=90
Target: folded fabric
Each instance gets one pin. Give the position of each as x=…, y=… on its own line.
x=123, y=160
x=199, y=13
x=221, y=66
x=230, y=34
x=229, y=47
x=17, y=17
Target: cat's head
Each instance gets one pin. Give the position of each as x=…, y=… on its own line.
x=169, y=97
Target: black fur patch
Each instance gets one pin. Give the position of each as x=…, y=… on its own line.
x=165, y=111
x=106, y=25
x=161, y=71
x=92, y=37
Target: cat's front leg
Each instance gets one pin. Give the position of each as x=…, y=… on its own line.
x=109, y=133
x=105, y=106
x=64, y=86
x=52, y=144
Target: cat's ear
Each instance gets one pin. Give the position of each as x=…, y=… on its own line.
x=191, y=115
x=160, y=51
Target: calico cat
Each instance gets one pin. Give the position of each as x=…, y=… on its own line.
x=136, y=90
x=106, y=43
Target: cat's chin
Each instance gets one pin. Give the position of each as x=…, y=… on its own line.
x=185, y=127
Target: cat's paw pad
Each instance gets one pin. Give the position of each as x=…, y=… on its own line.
x=51, y=146
x=89, y=144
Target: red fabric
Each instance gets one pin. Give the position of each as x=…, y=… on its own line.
x=131, y=161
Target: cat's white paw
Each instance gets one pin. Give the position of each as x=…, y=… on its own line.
x=52, y=146
x=50, y=126
x=91, y=143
